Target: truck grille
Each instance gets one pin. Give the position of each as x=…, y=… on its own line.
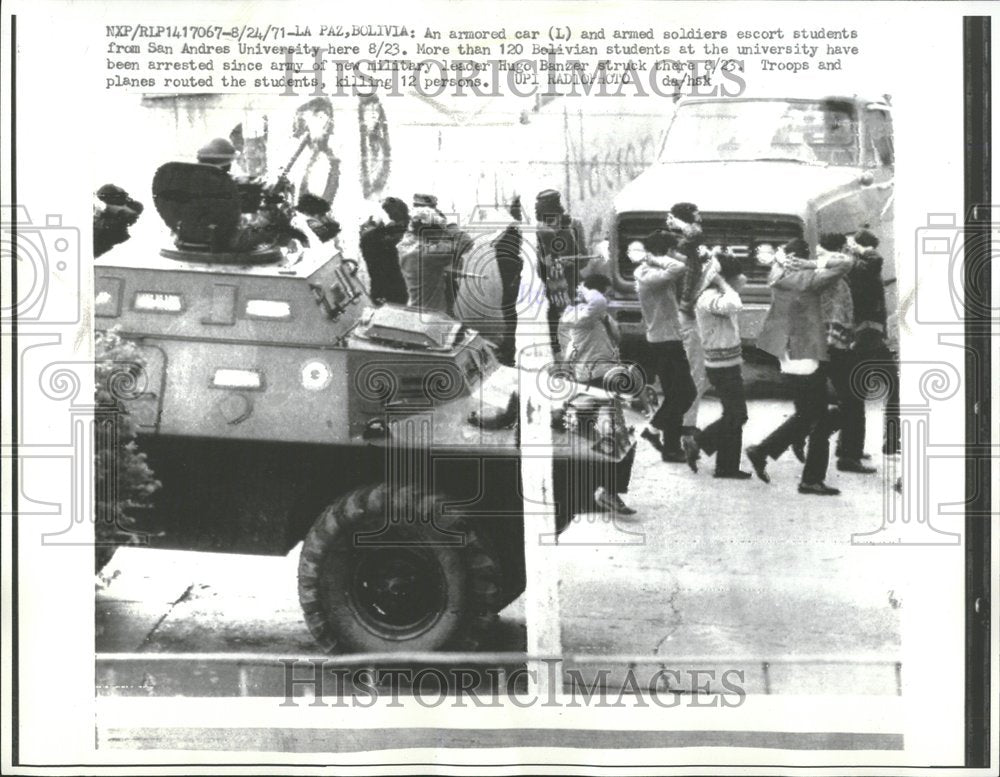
x=740, y=233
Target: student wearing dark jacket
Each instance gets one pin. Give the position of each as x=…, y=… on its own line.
x=867, y=293
x=870, y=346
x=838, y=313
x=685, y=220
x=794, y=332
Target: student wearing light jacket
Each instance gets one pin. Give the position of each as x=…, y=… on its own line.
x=794, y=332
x=592, y=353
x=717, y=310
x=592, y=336
x=660, y=267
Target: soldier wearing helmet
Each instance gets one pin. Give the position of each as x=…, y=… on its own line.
x=265, y=218
x=218, y=152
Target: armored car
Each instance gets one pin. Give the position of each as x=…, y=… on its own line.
x=277, y=406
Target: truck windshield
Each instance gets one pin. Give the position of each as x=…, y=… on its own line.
x=823, y=132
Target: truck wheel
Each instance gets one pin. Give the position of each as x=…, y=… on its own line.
x=401, y=588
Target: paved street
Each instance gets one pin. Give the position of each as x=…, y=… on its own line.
x=707, y=568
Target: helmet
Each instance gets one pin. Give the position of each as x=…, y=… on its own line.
x=217, y=152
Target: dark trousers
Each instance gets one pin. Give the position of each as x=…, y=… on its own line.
x=679, y=391
x=724, y=436
x=891, y=429
x=554, y=314
x=508, y=309
x=811, y=420
x=850, y=400
x=616, y=477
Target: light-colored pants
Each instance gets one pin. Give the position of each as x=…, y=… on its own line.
x=696, y=358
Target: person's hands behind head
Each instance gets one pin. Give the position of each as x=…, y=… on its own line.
x=636, y=253
x=794, y=264
x=674, y=224
x=790, y=262
x=687, y=231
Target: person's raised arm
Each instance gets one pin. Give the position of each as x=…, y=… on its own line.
x=725, y=303
x=797, y=276
x=594, y=307
x=661, y=269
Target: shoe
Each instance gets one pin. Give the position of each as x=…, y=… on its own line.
x=691, y=451
x=737, y=475
x=653, y=438
x=818, y=489
x=865, y=456
x=611, y=503
x=620, y=507
x=673, y=455
x=854, y=465
x=759, y=461
x=799, y=449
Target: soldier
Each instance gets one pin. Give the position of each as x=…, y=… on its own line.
x=560, y=243
x=114, y=212
x=260, y=225
x=218, y=152
x=507, y=248
x=317, y=213
x=379, y=249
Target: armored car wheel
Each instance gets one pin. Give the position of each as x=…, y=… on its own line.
x=102, y=556
x=422, y=582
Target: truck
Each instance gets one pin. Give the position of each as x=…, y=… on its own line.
x=762, y=171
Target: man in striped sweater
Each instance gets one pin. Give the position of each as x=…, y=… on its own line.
x=717, y=311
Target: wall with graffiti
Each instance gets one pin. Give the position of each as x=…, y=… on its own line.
x=353, y=152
